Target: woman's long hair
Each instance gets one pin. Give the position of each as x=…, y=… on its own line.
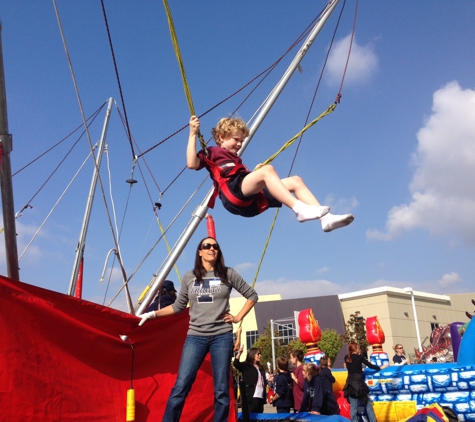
x=352, y=348
x=251, y=354
x=220, y=270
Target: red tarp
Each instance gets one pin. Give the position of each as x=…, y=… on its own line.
x=61, y=359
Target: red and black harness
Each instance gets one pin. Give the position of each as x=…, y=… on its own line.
x=221, y=186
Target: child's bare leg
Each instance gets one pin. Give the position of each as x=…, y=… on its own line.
x=267, y=177
x=279, y=189
x=296, y=185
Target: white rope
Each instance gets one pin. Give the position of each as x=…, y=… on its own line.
x=55, y=205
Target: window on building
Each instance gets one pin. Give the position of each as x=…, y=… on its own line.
x=251, y=337
x=433, y=326
x=287, y=331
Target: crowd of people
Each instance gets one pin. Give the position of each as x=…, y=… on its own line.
x=295, y=386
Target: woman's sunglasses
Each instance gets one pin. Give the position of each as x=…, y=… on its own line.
x=207, y=246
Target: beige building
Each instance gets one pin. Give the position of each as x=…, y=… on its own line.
x=397, y=315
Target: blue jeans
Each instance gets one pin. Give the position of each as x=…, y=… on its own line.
x=354, y=410
x=194, y=351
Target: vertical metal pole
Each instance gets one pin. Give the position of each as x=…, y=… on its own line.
x=272, y=344
x=90, y=200
x=411, y=291
x=202, y=209
x=6, y=178
x=416, y=321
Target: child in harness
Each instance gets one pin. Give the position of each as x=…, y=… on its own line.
x=247, y=193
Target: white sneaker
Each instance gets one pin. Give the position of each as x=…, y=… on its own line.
x=331, y=222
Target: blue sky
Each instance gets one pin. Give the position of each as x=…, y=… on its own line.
x=398, y=152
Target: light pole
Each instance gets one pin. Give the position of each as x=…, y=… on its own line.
x=409, y=290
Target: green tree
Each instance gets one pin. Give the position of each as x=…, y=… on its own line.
x=331, y=343
x=355, y=331
x=296, y=344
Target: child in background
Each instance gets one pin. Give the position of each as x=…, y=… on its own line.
x=283, y=398
x=296, y=358
x=330, y=406
x=317, y=399
x=247, y=193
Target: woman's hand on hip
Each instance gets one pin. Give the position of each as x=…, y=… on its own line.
x=228, y=318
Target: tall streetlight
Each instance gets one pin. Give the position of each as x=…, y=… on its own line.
x=409, y=290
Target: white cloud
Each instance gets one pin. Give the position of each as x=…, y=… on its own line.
x=443, y=188
x=341, y=205
x=449, y=280
x=323, y=270
x=363, y=63
x=241, y=268
x=291, y=289
x=24, y=236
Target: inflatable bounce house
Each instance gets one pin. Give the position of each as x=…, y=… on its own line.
x=419, y=392
x=398, y=392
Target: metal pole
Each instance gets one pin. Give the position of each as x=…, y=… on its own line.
x=90, y=200
x=290, y=71
x=272, y=344
x=8, y=208
x=409, y=290
x=200, y=213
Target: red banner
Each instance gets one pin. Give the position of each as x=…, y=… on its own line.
x=61, y=359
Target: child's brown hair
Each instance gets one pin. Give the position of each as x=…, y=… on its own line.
x=226, y=126
x=282, y=363
x=324, y=362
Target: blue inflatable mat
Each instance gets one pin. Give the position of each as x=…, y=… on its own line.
x=294, y=417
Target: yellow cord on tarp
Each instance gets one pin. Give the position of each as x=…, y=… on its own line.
x=182, y=69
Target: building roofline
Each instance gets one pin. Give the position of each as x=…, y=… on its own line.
x=391, y=290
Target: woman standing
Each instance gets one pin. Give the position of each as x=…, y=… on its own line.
x=399, y=358
x=207, y=288
x=355, y=388
x=254, y=376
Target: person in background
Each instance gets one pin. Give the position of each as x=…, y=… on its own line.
x=296, y=358
x=283, y=398
x=317, y=399
x=355, y=388
x=207, y=289
x=330, y=406
x=399, y=358
x=254, y=376
x=166, y=297
x=326, y=373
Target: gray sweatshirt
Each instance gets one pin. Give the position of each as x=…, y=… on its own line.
x=209, y=300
